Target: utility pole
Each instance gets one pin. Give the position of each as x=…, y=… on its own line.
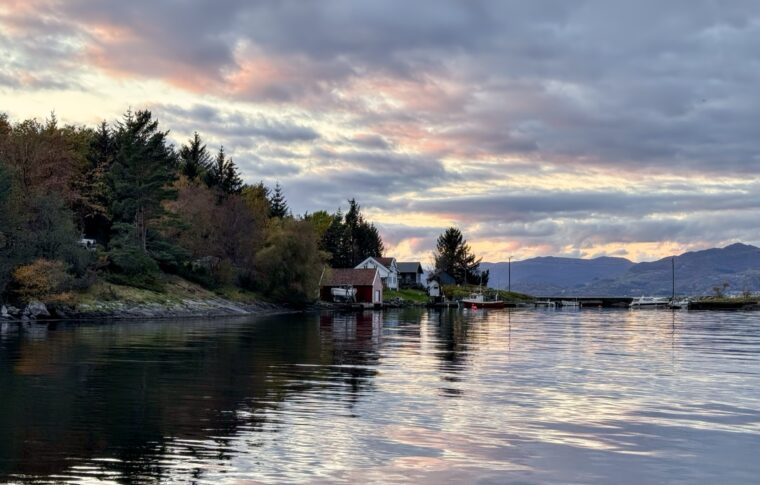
x=509, y=275
x=673, y=273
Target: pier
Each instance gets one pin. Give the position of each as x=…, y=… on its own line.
x=592, y=301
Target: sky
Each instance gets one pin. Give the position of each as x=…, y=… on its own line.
x=565, y=128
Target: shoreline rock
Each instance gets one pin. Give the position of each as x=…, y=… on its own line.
x=117, y=310
x=35, y=310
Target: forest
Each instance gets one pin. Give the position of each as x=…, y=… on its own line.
x=119, y=202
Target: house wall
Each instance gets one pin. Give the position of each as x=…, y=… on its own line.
x=410, y=278
x=364, y=294
x=389, y=275
x=377, y=287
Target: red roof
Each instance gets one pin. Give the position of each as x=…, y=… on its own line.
x=349, y=276
x=385, y=262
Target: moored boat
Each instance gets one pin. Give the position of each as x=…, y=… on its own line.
x=478, y=300
x=343, y=294
x=545, y=304
x=649, y=302
x=680, y=304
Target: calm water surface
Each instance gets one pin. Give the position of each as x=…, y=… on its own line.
x=410, y=396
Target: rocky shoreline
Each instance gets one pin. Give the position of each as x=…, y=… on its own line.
x=36, y=311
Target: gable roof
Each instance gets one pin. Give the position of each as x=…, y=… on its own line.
x=350, y=276
x=442, y=277
x=385, y=261
x=411, y=267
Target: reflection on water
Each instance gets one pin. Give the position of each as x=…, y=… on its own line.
x=412, y=395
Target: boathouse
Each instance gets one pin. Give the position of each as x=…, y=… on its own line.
x=366, y=282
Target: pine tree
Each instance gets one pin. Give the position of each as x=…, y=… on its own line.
x=142, y=174
x=194, y=159
x=454, y=256
x=278, y=206
x=368, y=241
x=231, y=183
x=223, y=176
x=92, y=186
x=332, y=241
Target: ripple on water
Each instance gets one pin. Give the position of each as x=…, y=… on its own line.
x=404, y=396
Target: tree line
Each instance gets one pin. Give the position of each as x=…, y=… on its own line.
x=152, y=210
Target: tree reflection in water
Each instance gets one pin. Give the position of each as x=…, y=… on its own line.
x=123, y=394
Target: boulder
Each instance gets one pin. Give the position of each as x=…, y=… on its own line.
x=13, y=311
x=35, y=309
x=4, y=312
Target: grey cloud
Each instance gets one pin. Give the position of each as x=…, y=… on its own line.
x=561, y=86
x=650, y=85
x=528, y=206
x=235, y=125
x=370, y=141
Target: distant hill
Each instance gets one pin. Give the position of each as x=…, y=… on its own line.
x=551, y=275
x=696, y=273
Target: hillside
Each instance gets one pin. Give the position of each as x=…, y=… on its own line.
x=552, y=275
x=697, y=273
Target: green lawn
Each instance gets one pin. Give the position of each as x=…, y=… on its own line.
x=458, y=292
x=415, y=296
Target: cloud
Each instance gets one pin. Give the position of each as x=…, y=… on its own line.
x=538, y=123
x=236, y=125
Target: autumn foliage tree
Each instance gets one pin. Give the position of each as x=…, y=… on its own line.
x=153, y=211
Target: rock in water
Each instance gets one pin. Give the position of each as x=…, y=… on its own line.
x=4, y=312
x=35, y=309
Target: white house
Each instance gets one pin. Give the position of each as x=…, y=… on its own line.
x=387, y=268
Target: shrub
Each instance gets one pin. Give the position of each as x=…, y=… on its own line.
x=42, y=279
x=129, y=265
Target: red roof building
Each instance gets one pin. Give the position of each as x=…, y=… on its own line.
x=366, y=282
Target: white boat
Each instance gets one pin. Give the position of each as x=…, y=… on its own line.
x=680, y=304
x=570, y=303
x=649, y=302
x=343, y=293
x=545, y=303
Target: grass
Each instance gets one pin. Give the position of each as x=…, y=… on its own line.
x=415, y=296
x=453, y=293
x=458, y=292
x=730, y=299
x=240, y=295
x=175, y=290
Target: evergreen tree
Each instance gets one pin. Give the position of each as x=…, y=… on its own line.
x=94, y=197
x=142, y=174
x=7, y=224
x=223, y=176
x=278, y=206
x=368, y=242
x=332, y=242
x=454, y=256
x=361, y=239
x=194, y=159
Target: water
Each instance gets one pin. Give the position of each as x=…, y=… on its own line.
x=411, y=396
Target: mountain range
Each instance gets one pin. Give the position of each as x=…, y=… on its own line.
x=696, y=273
